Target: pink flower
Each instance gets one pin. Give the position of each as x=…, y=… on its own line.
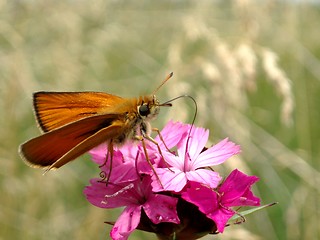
x=189, y=164
x=179, y=164
x=216, y=204
x=135, y=196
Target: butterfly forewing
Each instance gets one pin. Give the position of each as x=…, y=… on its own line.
x=56, y=109
x=75, y=122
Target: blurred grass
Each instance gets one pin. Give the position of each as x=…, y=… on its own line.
x=219, y=52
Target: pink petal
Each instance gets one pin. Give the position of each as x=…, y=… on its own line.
x=98, y=153
x=110, y=196
x=201, y=196
x=171, y=181
x=125, y=172
x=217, y=154
x=204, y=176
x=174, y=161
x=247, y=199
x=126, y=223
x=221, y=217
x=172, y=134
x=236, y=189
x=161, y=208
x=197, y=141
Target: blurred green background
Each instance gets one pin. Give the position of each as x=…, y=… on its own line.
x=252, y=66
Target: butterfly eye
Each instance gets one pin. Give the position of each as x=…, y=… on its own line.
x=144, y=110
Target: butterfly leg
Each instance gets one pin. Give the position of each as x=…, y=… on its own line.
x=161, y=138
x=142, y=139
x=159, y=150
x=104, y=176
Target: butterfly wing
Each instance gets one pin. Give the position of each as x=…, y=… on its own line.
x=56, y=109
x=61, y=145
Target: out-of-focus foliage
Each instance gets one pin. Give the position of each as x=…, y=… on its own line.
x=253, y=68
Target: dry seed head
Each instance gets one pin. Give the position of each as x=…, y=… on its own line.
x=281, y=82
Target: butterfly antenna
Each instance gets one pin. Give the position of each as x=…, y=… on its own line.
x=163, y=82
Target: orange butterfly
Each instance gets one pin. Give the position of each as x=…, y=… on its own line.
x=75, y=122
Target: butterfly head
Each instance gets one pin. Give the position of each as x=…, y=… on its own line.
x=149, y=107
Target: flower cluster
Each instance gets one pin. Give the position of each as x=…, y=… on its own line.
x=173, y=192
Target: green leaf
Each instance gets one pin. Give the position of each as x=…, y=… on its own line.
x=249, y=211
